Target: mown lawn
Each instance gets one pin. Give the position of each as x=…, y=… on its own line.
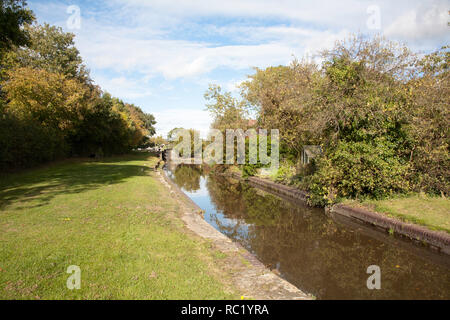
x=114, y=220
x=432, y=212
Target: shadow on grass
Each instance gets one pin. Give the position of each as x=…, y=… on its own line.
x=37, y=188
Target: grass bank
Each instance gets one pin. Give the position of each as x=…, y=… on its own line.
x=114, y=220
x=421, y=209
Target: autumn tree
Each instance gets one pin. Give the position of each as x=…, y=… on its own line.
x=379, y=111
x=228, y=112
x=281, y=96
x=49, y=107
x=14, y=15
x=52, y=50
x=48, y=98
x=177, y=135
x=359, y=111
x=428, y=122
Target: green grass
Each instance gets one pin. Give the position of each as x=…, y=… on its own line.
x=114, y=220
x=432, y=212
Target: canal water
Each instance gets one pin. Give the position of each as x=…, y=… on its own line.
x=322, y=255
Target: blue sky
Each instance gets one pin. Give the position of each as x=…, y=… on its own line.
x=162, y=54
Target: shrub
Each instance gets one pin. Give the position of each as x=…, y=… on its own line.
x=27, y=143
x=285, y=173
x=355, y=169
x=249, y=170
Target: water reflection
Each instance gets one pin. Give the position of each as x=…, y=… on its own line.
x=310, y=249
x=188, y=177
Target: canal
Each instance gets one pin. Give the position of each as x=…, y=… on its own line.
x=322, y=255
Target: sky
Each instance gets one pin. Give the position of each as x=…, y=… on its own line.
x=162, y=54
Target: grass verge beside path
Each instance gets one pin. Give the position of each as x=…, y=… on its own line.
x=114, y=220
x=431, y=212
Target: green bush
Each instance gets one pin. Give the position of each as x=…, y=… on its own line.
x=285, y=173
x=358, y=169
x=249, y=170
x=27, y=143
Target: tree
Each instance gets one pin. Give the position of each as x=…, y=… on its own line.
x=171, y=134
x=158, y=141
x=13, y=17
x=282, y=96
x=175, y=136
x=354, y=106
x=359, y=113
x=53, y=50
x=49, y=107
x=228, y=112
x=69, y=118
x=428, y=124
x=362, y=93
x=51, y=99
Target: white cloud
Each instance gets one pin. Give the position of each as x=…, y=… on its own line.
x=427, y=22
x=327, y=12
x=123, y=50
x=146, y=46
x=124, y=87
x=129, y=43
x=182, y=118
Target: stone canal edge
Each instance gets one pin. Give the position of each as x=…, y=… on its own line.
x=248, y=274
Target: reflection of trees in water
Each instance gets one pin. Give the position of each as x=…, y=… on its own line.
x=188, y=177
x=318, y=255
x=313, y=251
x=226, y=196
x=234, y=230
